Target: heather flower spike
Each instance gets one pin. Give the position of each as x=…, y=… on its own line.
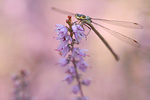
x=72, y=56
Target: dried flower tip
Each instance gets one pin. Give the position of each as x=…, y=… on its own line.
x=69, y=17
x=67, y=21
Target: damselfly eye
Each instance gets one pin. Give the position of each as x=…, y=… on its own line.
x=79, y=15
x=83, y=16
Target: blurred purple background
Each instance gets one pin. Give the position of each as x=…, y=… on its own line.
x=27, y=43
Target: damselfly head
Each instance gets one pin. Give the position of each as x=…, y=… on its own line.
x=80, y=16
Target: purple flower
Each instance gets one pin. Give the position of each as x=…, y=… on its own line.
x=71, y=71
x=65, y=41
x=82, y=65
x=61, y=30
x=63, y=36
x=78, y=53
x=75, y=89
x=86, y=82
x=63, y=50
x=63, y=61
x=69, y=78
x=68, y=37
x=79, y=32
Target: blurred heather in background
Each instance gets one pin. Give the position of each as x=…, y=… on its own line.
x=27, y=44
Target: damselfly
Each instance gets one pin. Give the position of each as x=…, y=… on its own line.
x=86, y=20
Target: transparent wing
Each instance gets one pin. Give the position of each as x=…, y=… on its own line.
x=121, y=23
x=63, y=11
x=120, y=36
